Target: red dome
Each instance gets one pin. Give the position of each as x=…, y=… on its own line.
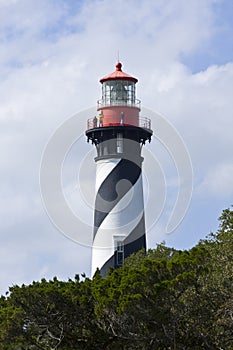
x=118, y=74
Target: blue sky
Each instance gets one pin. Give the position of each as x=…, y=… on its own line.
x=53, y=54
x=218, y=49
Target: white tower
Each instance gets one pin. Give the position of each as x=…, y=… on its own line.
x=118, y=134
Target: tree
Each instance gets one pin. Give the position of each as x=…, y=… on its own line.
x=220, y=282
x=49, y=315
x=148, y=305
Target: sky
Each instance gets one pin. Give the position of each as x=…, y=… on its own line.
x=53, y=53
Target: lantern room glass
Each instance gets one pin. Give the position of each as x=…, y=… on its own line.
x=118, y=92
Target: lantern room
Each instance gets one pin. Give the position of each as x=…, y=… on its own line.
x=118, y=88
x=118, y=104
x=118, y=92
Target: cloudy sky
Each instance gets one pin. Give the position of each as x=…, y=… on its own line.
x=53, y=53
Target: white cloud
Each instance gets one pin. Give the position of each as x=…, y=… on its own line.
x=200, y=106
x=218, y=182
x=36, y=251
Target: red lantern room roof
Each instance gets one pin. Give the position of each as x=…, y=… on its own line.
x=118, y=74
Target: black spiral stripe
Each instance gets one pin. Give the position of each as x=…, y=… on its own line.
x=109, y=194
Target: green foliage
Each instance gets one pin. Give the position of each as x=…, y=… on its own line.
x=49, y=315
x=163, y=299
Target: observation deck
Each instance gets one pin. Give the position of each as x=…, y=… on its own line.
x=138, y=130
x=140, y=122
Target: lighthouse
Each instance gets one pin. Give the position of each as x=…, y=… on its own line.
x=118, y=132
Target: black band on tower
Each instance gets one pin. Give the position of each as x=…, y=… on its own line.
x=109, y=194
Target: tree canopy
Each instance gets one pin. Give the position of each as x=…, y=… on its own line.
x=160, y=299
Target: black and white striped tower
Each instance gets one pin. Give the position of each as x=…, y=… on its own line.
x=118, y=134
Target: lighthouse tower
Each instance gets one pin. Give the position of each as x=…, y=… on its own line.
x=118, y=133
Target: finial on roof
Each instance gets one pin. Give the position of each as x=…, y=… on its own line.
x=118, y=66
x=118, y=75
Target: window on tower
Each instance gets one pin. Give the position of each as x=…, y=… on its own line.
x=120, y=253
x=119, y=250
x=119, y=141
